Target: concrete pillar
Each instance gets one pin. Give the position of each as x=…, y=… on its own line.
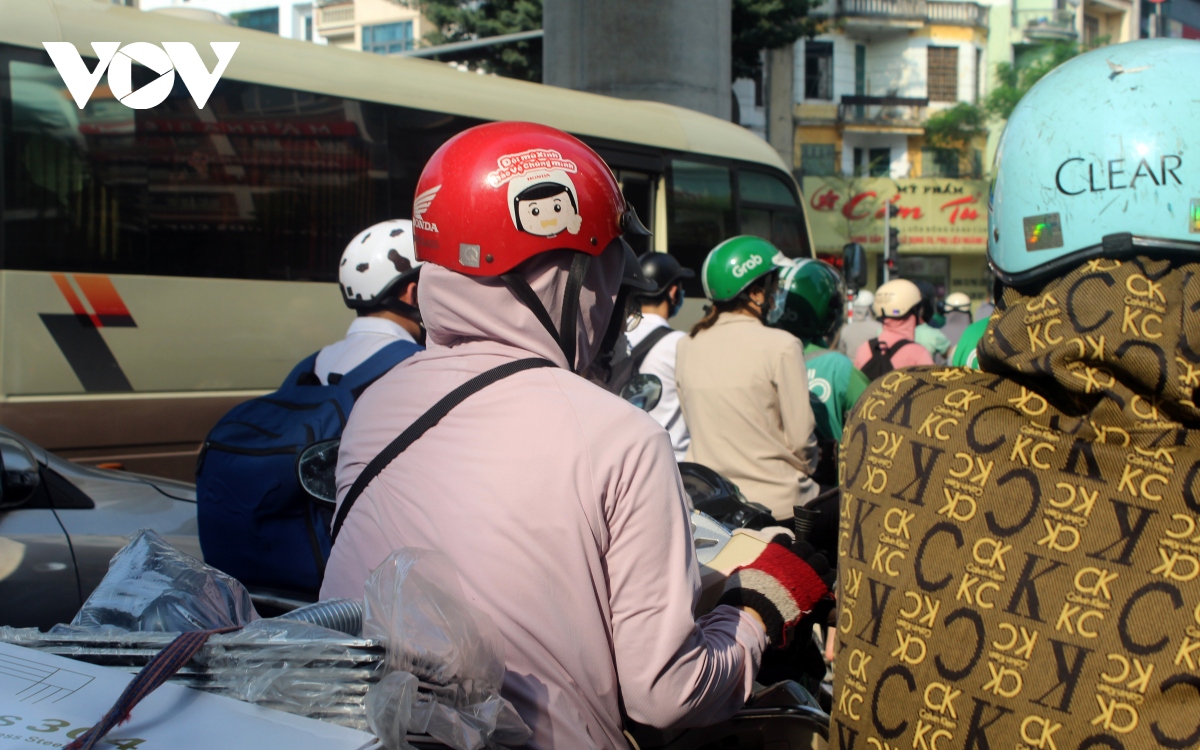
x=672, y=51
x=781, y=124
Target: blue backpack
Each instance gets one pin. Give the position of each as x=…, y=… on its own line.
x=256, y=523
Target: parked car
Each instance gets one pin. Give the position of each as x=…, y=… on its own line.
x=60, y=524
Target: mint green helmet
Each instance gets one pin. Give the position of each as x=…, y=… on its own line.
x=735, y=264
x=1101, y=158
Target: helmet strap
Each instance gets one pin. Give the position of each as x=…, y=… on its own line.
x=570, y=305
x=394, y=305
x=565, y=334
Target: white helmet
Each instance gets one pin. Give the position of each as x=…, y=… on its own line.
x=375, y=261
x=898, y=298
x=863, y=301
x=958, y=302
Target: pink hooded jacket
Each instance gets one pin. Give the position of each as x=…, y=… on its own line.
x=562, y=509
x=894, y=330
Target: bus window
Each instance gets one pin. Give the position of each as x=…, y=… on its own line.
x=768, y=209
x=639, y=189
x=756, y=187
x=701, y=212
x=263, y=183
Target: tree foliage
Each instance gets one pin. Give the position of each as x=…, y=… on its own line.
x=956, y=127
x=766, y=24
x=463, y=20
x=1014, y=82
x=756, y=25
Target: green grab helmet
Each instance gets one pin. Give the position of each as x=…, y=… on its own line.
x=814, y=307
x=1100, y=159
x=735, y=264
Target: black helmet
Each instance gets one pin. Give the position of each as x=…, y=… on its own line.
x=663, y=270
x=635, y=278
x=928, y=300
x=716, y=496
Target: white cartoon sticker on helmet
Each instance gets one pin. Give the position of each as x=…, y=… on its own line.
x=542, y=199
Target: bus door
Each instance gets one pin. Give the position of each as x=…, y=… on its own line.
x=641, y=191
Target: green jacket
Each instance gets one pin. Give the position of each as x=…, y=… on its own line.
x=834, y=385
x=964, y=350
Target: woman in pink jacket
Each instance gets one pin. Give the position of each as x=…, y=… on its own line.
x=559, y=504
x=897, y=306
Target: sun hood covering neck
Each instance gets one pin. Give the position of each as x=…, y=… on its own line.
x=1117, y=339
x=458, y=309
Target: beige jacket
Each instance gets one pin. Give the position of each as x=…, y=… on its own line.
x=744, y=391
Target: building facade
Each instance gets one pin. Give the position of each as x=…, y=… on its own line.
x=292, y=19
x=863, y=91
x=1021, y=31
x=380, y=26
x=1171, y=18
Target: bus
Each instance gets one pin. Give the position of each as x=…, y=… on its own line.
x=159, y=266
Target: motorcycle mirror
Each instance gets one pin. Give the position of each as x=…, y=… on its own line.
x=19, y=475
x=315, y=469
x=643, y=391
x=854, y=266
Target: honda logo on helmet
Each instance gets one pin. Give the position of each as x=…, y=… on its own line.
x=421, y=204
x=178, y=57
x=740, y=270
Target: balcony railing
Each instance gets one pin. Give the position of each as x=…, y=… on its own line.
x=336, y=15
x=882, y=111
x=1047, y=25
x=913, y=11
x=957, y=14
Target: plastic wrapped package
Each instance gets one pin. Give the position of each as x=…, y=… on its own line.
x=445, y=659
x=400, y=705
x=296, y=667
x=153, y=587
x=415, y=604
x=290, y=666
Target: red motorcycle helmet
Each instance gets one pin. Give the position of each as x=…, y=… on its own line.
x=498, y=194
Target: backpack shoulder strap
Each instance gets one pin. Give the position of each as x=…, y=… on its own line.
x=883, y=351
x=891, y=350
x=298, y=374
x=422, y=425
x=638, y=354
x=377, y=365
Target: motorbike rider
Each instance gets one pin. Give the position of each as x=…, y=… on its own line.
x=958, y=316
x=378, y=276
x=813, y=311
x=1044, y=593
x=559, y=504
x=862, y=326
x=898, y=304
x=658, y=305
x=965, y=351
x=929, y=330
x=744, y=386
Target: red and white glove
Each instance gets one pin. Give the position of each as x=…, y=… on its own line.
x=782, y=585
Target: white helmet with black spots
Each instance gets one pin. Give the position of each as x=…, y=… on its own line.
x=898, y=298
x=376, y=261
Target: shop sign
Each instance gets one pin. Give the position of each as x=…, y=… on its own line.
x=936, y=216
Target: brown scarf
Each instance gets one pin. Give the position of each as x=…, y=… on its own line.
x=1019, y=559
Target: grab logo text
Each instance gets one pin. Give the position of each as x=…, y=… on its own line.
x=166, y=61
